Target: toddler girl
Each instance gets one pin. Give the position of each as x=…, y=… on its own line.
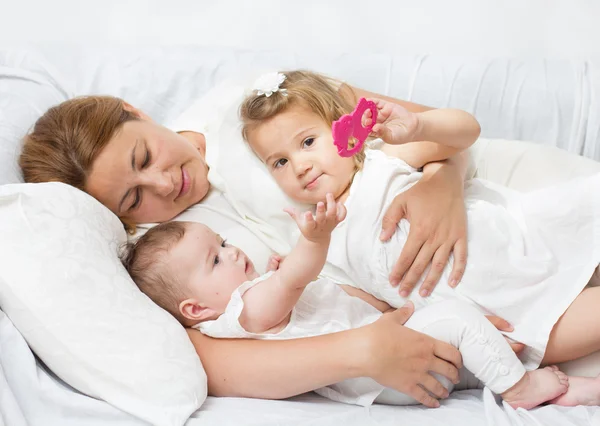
x=530, y=255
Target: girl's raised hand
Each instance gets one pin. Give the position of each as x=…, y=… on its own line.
x=395, y=124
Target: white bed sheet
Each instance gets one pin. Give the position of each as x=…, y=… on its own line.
x=30, y=395
x=550, y=102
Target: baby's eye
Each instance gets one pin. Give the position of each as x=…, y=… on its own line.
x=224, y=243
x=280, y=163
x=217, y=260
x=308, y=142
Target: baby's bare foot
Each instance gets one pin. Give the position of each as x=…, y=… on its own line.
x=536, y=387
x=582, y=391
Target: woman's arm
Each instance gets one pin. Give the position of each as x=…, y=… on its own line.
x=353, y=94
x=386, y=351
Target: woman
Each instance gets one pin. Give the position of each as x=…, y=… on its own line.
x=144, y=172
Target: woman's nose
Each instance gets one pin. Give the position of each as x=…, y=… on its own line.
x=160, y=182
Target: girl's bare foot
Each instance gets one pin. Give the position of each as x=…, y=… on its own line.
x=536, y=387
x=582, y=391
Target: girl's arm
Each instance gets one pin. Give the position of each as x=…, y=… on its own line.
x=386, y=351
x=423, y=137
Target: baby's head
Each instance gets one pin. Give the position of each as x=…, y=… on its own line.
x=290, y=131
x=187, y=269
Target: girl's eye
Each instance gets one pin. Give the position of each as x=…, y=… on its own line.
x=224, y=243
x=217, y=260
x=308, y=142
x=280, y=163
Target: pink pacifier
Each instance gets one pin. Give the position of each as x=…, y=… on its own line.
x=351, y=125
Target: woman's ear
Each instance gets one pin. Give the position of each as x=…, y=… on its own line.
x=195, y=311
x=137, y=112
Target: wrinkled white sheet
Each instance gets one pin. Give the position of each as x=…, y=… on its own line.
x=30, y=395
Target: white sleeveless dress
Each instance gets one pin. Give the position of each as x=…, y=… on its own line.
x=529, y=254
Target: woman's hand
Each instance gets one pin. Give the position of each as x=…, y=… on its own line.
x=502, y=325
x=404, y=359
x=438, y=226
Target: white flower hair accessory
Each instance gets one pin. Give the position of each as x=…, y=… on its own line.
x=267, y=84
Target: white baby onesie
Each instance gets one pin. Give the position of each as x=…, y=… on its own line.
x=325, y=308
x=530, y=254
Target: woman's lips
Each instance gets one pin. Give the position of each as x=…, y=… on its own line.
x=185, y=183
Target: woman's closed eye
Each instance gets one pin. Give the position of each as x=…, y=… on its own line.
x=138, y=193
x=146, y=159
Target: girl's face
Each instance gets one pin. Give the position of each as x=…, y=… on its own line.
x=147, y=173
x=297, y=147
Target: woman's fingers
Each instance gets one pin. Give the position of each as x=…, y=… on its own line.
x=500, y=323
x=515, y=346
x=438, y=263
x=416, y=270
x=418, y=393
x=445, y=368
x=433, y=386
x=460, y=262
x=395, y=212
x=449, y=353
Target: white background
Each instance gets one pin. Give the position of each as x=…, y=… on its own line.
x=568, y=29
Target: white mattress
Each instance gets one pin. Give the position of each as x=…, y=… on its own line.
x=548, y=102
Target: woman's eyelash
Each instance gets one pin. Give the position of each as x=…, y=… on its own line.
x=136, y=201
x=146, y=159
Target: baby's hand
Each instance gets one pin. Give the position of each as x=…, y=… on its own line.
x=395, y=124
x=274, y=262
x=318, y=228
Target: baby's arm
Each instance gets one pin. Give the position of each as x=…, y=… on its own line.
x=269, y=303
x=420, y=138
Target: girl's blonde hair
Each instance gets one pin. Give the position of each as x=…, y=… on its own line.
x=308, y=89
x=67, y=139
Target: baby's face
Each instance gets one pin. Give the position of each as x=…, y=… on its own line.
x=209, y=268
x=297, y=147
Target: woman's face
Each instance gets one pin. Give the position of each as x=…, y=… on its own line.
x=147, y=173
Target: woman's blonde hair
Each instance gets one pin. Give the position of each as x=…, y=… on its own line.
x=308, y=89
x=67, y=139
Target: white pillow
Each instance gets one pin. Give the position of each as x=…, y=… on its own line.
x=65, y=290
x=25, y=94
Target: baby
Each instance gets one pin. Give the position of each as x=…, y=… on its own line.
x=192, y=272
